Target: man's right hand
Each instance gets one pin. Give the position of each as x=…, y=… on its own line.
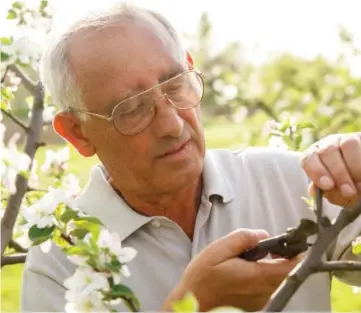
x=218, y=277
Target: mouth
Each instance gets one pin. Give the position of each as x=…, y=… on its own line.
x=176, y=151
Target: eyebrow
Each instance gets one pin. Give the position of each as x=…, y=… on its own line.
x=128, y=93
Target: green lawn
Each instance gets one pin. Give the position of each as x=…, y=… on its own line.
x=219, y=135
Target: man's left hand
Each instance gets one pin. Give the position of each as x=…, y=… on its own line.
x=334, y=165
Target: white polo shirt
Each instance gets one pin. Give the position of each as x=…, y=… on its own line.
x=254, y=188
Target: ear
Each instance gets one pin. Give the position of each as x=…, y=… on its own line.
x=68, y=126
x=190, y=59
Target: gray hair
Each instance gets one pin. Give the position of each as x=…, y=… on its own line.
x=55, y=72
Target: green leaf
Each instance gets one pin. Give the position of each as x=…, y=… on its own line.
x=114, y=266
x=39, y=234
x=78, y=250
x=43, y=4
x=4, y=56
x=90, y=219
x=6, y=94
x=17, y=5
x=59, y=240
x=80, y=233
x=356, y=246
x=188, y=304
x=305, y=125
x=309, y=202
x=6, y=41
x=122, y=291
x=68, y=215
x=94, y=229
x=12, y=14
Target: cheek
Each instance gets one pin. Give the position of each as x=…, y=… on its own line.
x=193, y=118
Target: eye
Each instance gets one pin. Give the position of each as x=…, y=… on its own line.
x=132, y=112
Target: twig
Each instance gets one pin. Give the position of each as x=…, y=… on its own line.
x=29, y=189
x=21, y=183
x=310, y=264
x=5, y=73
x=18, y=248
x=15, y=120
x=130, y=304
x=13, y=259
x=26, y=80
x=333, y=266
x=319, y=209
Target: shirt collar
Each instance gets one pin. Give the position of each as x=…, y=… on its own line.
x=215, y=176
x=100, y=200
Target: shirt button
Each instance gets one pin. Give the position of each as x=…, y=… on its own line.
x=156, y=223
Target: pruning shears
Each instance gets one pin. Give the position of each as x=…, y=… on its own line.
x=287, y=245
x=292, y=242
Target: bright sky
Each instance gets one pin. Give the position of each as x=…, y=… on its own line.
x=304, y=27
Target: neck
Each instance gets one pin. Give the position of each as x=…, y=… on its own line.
x=180, y=207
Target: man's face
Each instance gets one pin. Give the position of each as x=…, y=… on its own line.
x=126, y=59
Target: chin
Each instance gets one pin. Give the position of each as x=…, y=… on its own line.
x=184, y=176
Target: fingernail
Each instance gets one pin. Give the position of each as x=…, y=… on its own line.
x=326, y=182
x=347, y=190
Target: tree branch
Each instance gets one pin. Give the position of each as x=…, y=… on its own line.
x=312, y=261
x=15, y=120
x=333, y=266
x=26, y=80
x=5, y=73
x=18, y=248
x=13, y=259
x=35, y=128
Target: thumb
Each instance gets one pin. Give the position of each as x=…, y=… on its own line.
x=233, y=244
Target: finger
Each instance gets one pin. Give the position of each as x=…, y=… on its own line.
x=315, y=170
x=351, y=151
x=233, y=244
x=275, y=271
x=332, y=159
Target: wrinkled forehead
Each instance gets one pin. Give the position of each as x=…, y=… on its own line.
x=125, y=44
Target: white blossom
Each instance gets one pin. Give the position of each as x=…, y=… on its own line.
x=70, y=183
x=55, y=161
x=12, y=161
x=356, y=290
x=41, y=212
x=49, y=113
x=92, y=302
x=111, y=241
x=85, y=281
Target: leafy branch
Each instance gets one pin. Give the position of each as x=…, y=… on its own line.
x=312, y=264
x=15, y=120
x=32, y=144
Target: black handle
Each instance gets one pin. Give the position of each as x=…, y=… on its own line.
x=253, y=254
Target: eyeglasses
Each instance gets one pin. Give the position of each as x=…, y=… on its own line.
x=132, y=115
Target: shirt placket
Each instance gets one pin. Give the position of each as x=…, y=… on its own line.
x=202, y=217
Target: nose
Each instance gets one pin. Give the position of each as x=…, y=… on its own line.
x=167, y=121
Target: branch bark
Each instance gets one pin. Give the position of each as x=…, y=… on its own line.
x=333, y=266
x=15, y=120
x=35, y=128
x=13, y=259
x=18, y=248
x=312, y=261
x=26, y=80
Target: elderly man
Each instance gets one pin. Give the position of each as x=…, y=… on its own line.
x=130, y=94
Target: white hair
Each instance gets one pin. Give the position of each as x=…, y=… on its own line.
x=55, y=72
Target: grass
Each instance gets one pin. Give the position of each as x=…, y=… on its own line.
x=218, y=135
